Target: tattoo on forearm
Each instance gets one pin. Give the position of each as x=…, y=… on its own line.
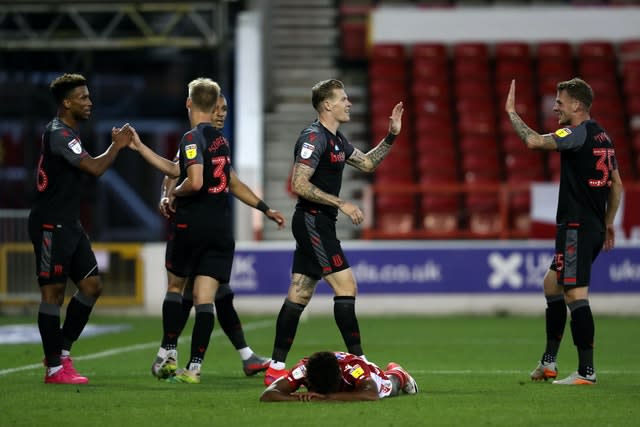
x=305, y=189
x=520, y=127
x=378, y=153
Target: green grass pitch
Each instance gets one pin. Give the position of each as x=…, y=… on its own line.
x=472, y=371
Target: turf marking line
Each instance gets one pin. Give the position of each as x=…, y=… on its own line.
x=128, y=349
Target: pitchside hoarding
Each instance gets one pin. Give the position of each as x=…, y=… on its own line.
x=450, y=268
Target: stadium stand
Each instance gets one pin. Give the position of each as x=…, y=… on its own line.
x=463, y=140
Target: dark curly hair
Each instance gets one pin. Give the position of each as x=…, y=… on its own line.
x=323, y=372
x=61, y=86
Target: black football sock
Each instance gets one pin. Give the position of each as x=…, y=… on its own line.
x=230, y=322
x=286, y=328
x=583, y=331
x=171, y=320
x=78, y=312
x=187, y=304
x=50, y=332
x=202, y=330
x=556, y=319
x=344, y=312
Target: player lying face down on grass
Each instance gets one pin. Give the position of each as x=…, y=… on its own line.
x=339, y=376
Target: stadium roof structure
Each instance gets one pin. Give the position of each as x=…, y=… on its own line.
x=92, y=25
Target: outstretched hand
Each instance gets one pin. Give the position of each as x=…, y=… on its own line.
x=121, y=136
x=510, y=104
x=136, y=143
x=395, y=120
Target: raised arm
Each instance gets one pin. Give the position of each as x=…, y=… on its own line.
x=368, y=162
x=96, y=166
x=615, y=195
x=166, y=166
x=302, y=186
x=531, y=139
x=243, y=193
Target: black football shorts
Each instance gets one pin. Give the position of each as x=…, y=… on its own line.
x=200, y=250
x=318, y=251
x=576, y=249
x=62, y=251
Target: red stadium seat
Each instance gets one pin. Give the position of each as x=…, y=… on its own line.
x=555, y=71
x=479, y=165
x=425, y=124
x=481, y=122
x=527, y=166
x=437, y=162
x=629, y=49
x=431, y=143
x=590, y=69
x=431, y=51
x=432, y=89
x=431, y=70
x=390, y=51
x=600, y=49
x=477, y=144
x=395, y=212
x=440, y=107
x=556, y=50
x=387, y=70
x=631, y=68
x=475, y=51
x=474, y=89
x=512, y=50
x=439, y=211
x=519, y=70
x=472, y=70
x=353, y=40
x=388, y=88
x=512, y=144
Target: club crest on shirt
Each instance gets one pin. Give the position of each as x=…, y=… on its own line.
x=190, y=151
x=307, y=150
x=75, y=146
x=563, y=132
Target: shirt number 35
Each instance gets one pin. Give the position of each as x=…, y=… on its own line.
x=604, y=165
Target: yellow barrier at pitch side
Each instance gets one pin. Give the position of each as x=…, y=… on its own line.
x=120, y=264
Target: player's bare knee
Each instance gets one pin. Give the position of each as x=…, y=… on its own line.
x=91, y=286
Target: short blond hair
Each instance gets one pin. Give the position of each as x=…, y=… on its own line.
x=204, y=93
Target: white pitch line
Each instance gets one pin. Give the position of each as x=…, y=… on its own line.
x=128, y=349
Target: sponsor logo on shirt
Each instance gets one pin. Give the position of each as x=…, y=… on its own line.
x=75, y=146
x=357, y=372
x=563, y=132
x=307, y=150
x=190, y=151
